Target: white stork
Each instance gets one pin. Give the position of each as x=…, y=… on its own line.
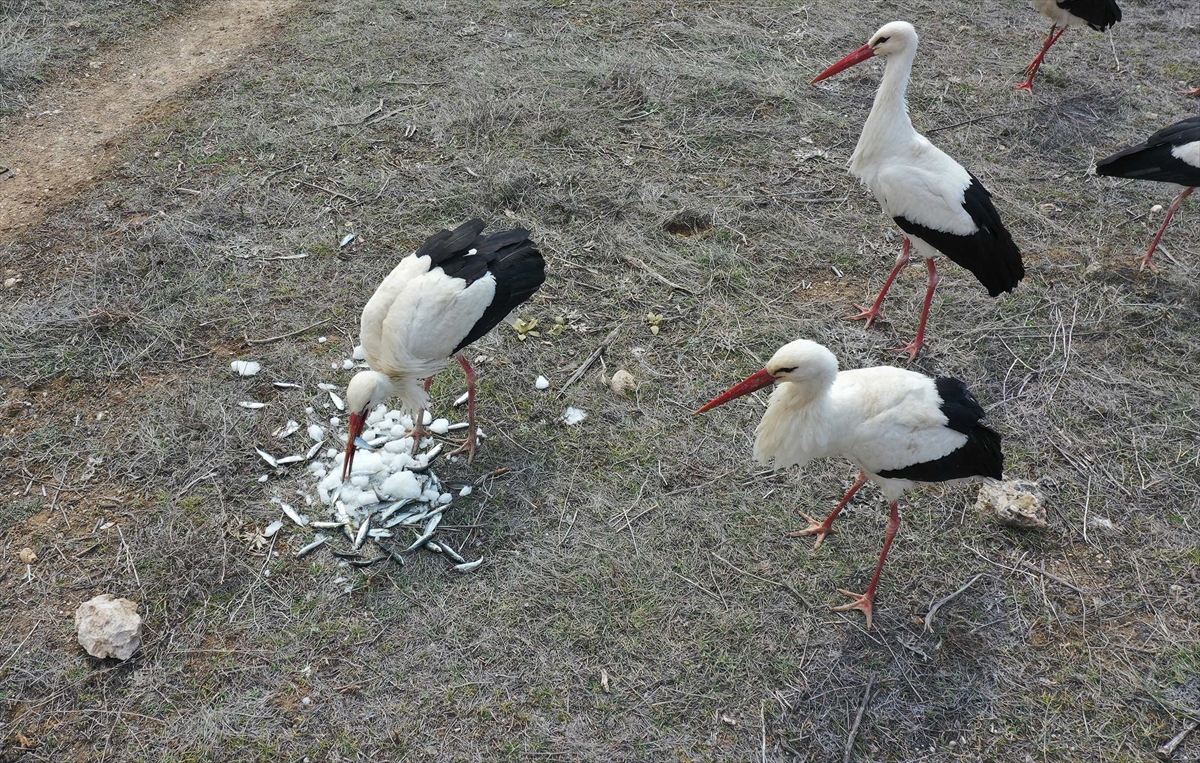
x=940, y=206
x=438, y=300
x=1171, y=155
x=901, y=428
x=1098, y=14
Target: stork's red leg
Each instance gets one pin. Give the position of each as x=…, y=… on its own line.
x=469, y=445
x=913, y=347
x=865, y=601
x=825, y=528
x=1170, y=213
x=1036, y=64
x=873, y=311
x=1193, y=93
x=418, y=430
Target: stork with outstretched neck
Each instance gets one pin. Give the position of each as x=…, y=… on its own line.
x=940, y=206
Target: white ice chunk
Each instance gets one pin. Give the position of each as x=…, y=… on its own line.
x=439, y=426
x=262, y=478
x=465, y=491
x=309, y=410
x=326, y=386
x=398, y=432
x=401, y=485
x=445, y=498
x=245, y=367
x=316, y=433
x=347, y=364
x=542, y=382
x=366, y=463
x=431, y=495
x=427, y=418
x=403, y=445
x=573, y=416
x=273, y=528
x=359, y=353
x=334, y=421
x=322, y=339
x=375, y=416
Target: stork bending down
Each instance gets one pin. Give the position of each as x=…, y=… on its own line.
x=438, y=300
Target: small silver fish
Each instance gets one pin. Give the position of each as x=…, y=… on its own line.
x=362, y=533
x=287, y=430
x=431, y=545
x=468, y=566
x=319, y=541
x=367, y=562
x=391, y=508
x=430, y=529
x=346, y=239
x=266, y=457
x=314, y=450
x=337, y=401
x=294, y=515
x=393, y=553
x=459, y=425
x=452, y=553
x=288, y=460
x=461, y=399
x=361, y=443
x=380, y=533
x=322, y=525
x=252, y=405
x=326, y=386
x=285, y=385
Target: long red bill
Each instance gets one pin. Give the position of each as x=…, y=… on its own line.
x=356, y=427
x=857, y=57
x=757, y=381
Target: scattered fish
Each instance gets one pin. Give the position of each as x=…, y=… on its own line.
x=337, y=401
x=469, y=565
x=461, y=399
x=294, y=515
x=289, y=460
x=346, y=239
x=362, y=533
x=452, y=553
x=314, y=450
x=430, y=529
x=359, y=442
x=251, y=405
x=320, y=524
x=326, y=386
x=345, y=554
x=459, y=425
x=368, y=562
x=286, y=385
x=266, y=457
x=287, y=430
x=318, y=541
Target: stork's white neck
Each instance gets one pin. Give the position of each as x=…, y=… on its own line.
x=888, y=127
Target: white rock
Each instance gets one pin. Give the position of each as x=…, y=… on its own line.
x=109, y=627
x=439, y=426
x=542, y=383
x=245, y=367
x=573, y=416
x=1014, y=503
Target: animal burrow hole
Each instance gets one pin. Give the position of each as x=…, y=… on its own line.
x=689, y=222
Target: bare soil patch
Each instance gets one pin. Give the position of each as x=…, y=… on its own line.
x=48, y=155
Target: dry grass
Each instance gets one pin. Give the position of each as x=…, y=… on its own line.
x=601, y=127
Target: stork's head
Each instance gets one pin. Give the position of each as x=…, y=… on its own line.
x=801, y=362
x=367, y=389
x=893, y=37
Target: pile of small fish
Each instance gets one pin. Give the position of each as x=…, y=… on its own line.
x=391, y=492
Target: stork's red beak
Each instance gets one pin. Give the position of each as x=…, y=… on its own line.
x=857, y=57
x=356, y=427
x=763, y=378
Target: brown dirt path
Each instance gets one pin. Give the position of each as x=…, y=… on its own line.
x=68, y=138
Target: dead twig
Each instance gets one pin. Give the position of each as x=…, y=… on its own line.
x=1167, y=750
x=656, y=275
x=858, y=719
x=290, y=333
x=277, y=173
x=330, y=191
x=933, y=610
x=590, y=360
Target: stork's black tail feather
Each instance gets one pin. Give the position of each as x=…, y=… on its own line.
x=1153, y=160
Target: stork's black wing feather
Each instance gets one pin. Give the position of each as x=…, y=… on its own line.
x=1153, y=160
x=989, y=253
x=979, y=456
x=510, y=256
x=1099, y=14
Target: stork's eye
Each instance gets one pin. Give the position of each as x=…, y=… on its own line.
x=785, y=370
x=881, y=41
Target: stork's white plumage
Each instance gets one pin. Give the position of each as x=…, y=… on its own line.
x=939, y=205
x=1098, y=14
x=899, y=427
x=438, y=300
x=1171, y=155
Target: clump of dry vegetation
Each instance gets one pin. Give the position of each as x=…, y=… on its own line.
x=641, y=601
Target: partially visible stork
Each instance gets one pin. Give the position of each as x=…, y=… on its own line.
x=1098, y=14
x=438, y=300
x=940, y=206
x=901, y=428
x=1171, y=155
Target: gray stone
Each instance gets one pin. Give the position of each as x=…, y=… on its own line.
x=109, y=627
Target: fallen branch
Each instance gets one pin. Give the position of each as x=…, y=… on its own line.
x=862, y=708
x=1167, y=750
x=640, y=264
x=290, y=333
x=933, y=610
x=590, y=360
